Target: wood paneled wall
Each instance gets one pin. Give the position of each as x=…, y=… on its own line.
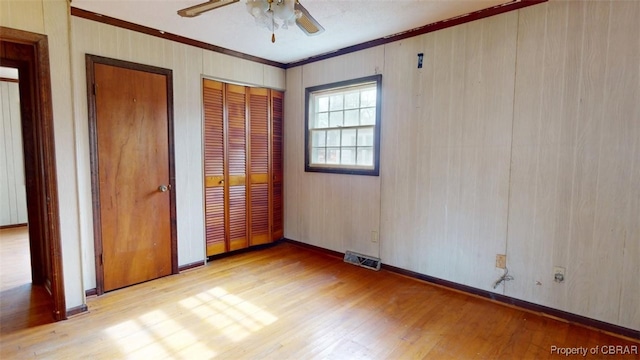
x=520, y=135
x=575, y=179
x=23, y=15
x=13, y=197
x=189, y=65
x=337, y=212
x=446, y=150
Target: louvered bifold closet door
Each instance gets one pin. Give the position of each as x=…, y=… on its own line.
x=277, y=166
x=237, y=165
x=259, y=165
x=213, y=96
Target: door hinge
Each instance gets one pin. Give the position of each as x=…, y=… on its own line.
x=95, y=89
x=101, y=262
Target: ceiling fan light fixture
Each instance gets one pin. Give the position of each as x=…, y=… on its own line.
x=273, y=14
x=270, y=14
x=306, y=22
x=196, y=10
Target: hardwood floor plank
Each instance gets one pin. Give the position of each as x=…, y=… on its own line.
x=288, y=302
x=22, y=305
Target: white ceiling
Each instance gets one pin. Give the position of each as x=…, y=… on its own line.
x=347, y=22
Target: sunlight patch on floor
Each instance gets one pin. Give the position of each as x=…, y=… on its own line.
x=131, y=336
x=233, y=316
x=155, y=334
x=180, y=340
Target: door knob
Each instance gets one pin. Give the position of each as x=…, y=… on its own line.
x=163, y=188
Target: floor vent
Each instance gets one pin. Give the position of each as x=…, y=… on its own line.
x=362, y=260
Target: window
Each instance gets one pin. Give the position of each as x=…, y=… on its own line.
x=343, y=127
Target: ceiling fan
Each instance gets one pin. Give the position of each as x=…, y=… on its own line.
x=271, y=14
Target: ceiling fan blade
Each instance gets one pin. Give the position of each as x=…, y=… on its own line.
x=306, y=22
x=204, y=7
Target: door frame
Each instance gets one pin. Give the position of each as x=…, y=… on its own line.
x=43, y=200
x=90, y=61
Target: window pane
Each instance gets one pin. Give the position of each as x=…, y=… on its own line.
x=335, y=118
x=365, y=156
x=368, y=98
x=333, y=138
x=319, y=138
x=365, y=137
x=368, y=116
x=322, y=120
x=352, y=100
x=343, y=127
x=335, y=103
x=348, y=156
x=318, y=156
x=333, y=156
x=351, y=117
x=349, y=138
x=323, y=104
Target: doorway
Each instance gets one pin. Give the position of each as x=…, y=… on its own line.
x=22, y=303
x=130, y=125
x=28, y=53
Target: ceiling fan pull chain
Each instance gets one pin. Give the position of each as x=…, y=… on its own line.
x=273, y=26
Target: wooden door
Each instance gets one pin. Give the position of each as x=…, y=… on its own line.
x=214, y=166
x=132, y=136
x=236, y=141
x=259, y=166
x=225, y=163
x=243, y=166
x=277, y=167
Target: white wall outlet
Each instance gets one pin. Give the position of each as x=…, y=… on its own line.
x=558, y=274
x=501, y=261
x=374, y=236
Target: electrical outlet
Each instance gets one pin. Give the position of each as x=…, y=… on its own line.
x=374, y=236
x=558, y=274
x=501, y=261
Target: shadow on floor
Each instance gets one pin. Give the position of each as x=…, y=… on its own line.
x=23, y=307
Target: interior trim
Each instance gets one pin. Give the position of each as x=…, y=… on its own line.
x=169, y=36
x=480, y=14
x=12, y=226
x=9, y=80
x=90, y=61
x=45, y=217
x=520, y=304
x=476, y=15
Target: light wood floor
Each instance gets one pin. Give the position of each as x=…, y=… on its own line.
x=288, y=302
x=21, y=304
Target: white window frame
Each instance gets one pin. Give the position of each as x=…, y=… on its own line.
x=318, y=132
